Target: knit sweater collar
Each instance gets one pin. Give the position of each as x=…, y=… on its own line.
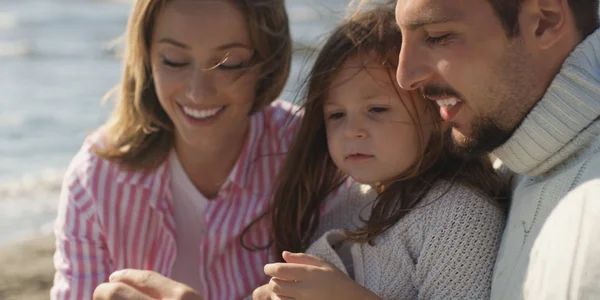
x=563, y=121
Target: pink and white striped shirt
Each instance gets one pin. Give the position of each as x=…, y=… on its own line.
x=111, y=219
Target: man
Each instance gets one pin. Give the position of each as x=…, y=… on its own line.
x=521, y=79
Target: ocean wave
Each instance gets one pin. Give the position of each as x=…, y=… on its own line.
x=29, y=205
x=11, y=120
x=19, y=48
x=34, y=187
x=303, y=13
x=28, y=121
x=8, y=21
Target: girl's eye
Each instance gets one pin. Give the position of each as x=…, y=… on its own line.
x=438, y=40
x=336, y=116
x=173, y=64
x=378, y=109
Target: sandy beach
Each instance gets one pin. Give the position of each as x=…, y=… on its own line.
x=26, y=269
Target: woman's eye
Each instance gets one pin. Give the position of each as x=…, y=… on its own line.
x=229, y=63
x=173, y=64
x=231, y=67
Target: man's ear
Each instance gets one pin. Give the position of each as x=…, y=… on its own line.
x=545, y=21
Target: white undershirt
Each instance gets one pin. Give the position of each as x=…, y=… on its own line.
x=189, y=205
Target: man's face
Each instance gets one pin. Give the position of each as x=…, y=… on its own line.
x=457, y=53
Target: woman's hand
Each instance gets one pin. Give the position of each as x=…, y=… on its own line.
x=143, y=285
x=263, y=292
x=306, y=277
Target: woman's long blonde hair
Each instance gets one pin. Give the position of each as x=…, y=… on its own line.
x=139, y=134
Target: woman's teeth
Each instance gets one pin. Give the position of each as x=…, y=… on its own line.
x=201, y=114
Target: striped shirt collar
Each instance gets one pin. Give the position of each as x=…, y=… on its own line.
x=158, y=181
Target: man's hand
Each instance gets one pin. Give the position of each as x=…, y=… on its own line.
x=143, y=285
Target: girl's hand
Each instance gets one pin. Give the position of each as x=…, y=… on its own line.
x=306, y=277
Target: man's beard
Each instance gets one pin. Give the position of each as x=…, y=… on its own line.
x=485, y=137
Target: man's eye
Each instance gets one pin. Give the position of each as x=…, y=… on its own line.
x=438, y=40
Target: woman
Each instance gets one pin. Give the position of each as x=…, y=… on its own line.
x=188, y=157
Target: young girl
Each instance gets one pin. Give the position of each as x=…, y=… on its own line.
x=189, y=155
x=435, y=227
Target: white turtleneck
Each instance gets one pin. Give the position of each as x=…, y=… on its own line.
x=551, y=245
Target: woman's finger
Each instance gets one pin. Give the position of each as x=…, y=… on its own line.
x=118, y=291
x=155, y=285
x=275, y=297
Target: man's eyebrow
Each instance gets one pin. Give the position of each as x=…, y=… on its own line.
x=416, y=23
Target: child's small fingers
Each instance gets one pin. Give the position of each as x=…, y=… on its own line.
x=302, y=258
x=286, y=271
x=283, y=289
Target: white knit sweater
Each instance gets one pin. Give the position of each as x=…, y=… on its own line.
x=443, y=250
x=556, y=150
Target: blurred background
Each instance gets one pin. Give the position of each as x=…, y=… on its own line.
x=58, y=58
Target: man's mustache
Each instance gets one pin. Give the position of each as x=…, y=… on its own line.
x=437, y=91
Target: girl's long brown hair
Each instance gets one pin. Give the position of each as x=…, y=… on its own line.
x=309, y=174
x=139, y=134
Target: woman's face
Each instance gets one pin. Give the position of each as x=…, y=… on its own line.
x=200, y=53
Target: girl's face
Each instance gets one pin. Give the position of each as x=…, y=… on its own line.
x=371, y=133
x=199, y=54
